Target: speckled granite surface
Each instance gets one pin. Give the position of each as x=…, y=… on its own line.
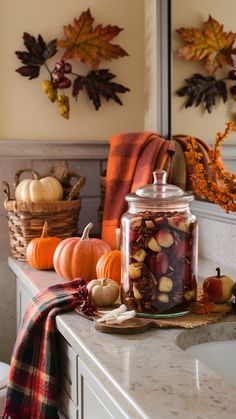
x=148, y=374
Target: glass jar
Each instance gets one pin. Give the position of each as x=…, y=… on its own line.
x=159, y=249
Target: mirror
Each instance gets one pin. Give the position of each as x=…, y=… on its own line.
x=195, y=120
x=165, y=111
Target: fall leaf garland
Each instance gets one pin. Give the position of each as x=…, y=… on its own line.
x=224, y=193
x=84, y=43
x=216, y=49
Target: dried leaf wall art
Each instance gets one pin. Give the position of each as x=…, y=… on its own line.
x=217, y=50
x=84, y=42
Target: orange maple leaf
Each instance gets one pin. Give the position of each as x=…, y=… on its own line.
x=210, y=43
x=88, y=44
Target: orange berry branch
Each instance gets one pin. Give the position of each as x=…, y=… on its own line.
x=221, y=192
x=216, y=161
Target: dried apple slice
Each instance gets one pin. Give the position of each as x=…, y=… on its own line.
x=190, y=295
x=165, y=284
x=163, y=298
x=135, y=270
x=154, y=245
x=138, y=253
x=164, y=238
x=135, y=223
x=137, y=294
x=149, y=224
x=179, y=222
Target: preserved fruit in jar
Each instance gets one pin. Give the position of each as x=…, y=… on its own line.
x=159, y=249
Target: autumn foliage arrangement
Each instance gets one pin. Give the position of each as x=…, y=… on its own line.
x=221, y=192
x=84, y=43
x=216, y=49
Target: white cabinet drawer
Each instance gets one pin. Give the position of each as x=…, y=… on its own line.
x=68, y=378
x=22, y=300
x=94, y=400
x=67, y=409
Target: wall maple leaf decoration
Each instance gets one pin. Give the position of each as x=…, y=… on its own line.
x=217, y=50
x=84, y=43
x=89, y=44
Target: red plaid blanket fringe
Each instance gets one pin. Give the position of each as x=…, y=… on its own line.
x=33, y=383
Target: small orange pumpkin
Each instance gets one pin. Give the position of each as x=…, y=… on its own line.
x=78, y=256
x=109, y=265
x=40, y=250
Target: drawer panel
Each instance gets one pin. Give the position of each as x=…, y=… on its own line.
x=67, y=409
x=22, y=300
x=94, y=400
x=68, y=379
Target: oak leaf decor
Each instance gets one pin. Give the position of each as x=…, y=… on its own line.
x=216, y=49
x=84, y=43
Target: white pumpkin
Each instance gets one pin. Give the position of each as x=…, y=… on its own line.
x=103, y=292
x=45, y=189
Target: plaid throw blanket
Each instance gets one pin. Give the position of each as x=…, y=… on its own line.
x=32, y=383
x=131, y=161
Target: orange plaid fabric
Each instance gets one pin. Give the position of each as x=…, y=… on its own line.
x=131, y=161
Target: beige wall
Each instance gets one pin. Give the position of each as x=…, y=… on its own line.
x=26, y=113
x=194, y=121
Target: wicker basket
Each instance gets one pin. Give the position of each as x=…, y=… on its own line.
x=26, y=220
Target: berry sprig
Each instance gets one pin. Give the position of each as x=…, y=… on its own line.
x=58, y=74
x=58, y=80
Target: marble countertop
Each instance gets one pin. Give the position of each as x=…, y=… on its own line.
x=148, y=375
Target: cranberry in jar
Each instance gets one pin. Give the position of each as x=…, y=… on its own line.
x=159, y=249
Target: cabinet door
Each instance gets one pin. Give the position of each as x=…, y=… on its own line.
x=22, y=300
x=67, y=363
x=94, y=400
x=67, y=409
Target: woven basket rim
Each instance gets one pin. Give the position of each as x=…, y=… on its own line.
x=42, y=206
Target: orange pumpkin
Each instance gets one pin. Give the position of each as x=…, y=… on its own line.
x=78, y=256
x=40, y=250
x=109, y=265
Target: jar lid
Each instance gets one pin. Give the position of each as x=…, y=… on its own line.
x=159, y=190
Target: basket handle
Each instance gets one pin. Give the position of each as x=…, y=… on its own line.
x=71, y=174
x=6, y=189
x=76, y=188
x=18, y=174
